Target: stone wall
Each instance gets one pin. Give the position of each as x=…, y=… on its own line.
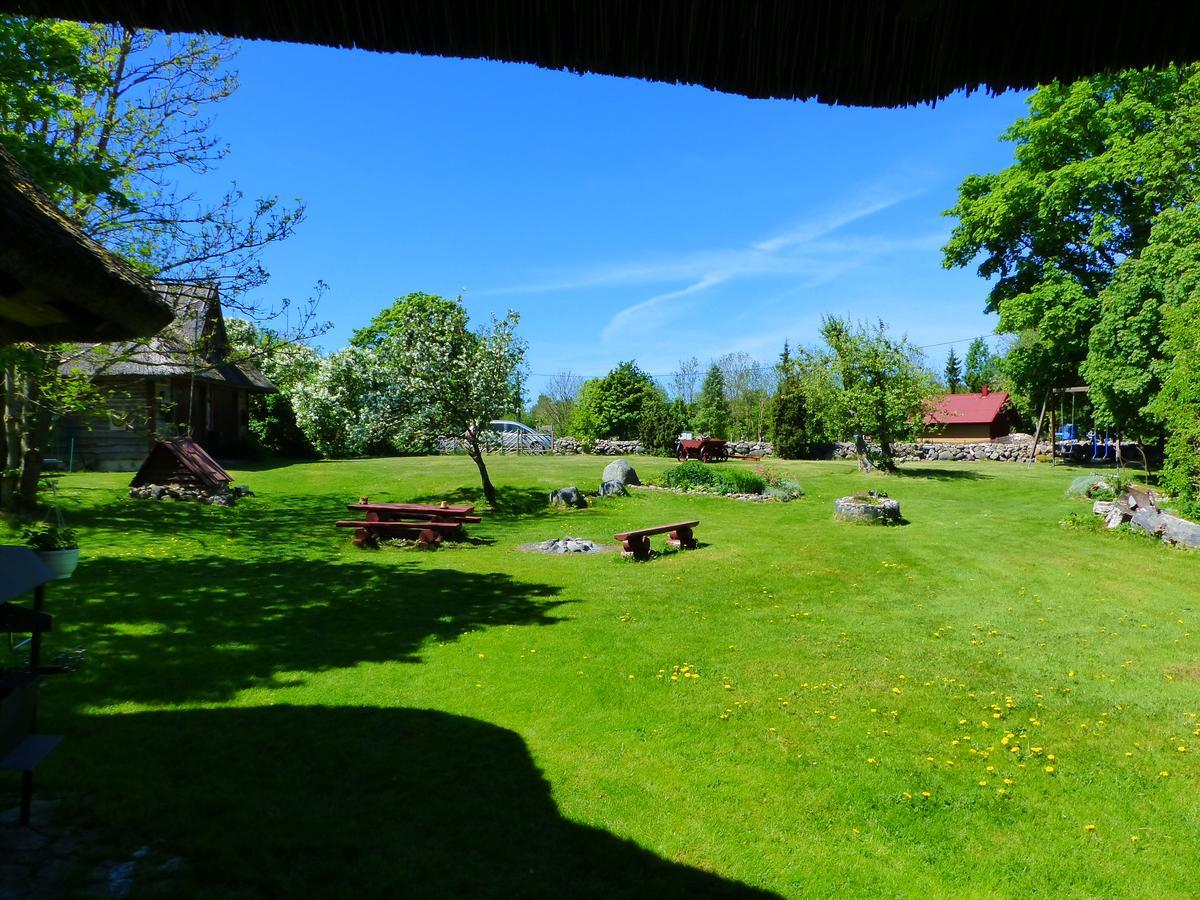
x=570, y=445
x=997, y=452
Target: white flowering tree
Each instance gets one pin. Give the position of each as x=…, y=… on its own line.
x=457, y=380
x=348, y=406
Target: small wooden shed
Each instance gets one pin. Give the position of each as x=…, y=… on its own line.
x=184, y=462
x=969, y=418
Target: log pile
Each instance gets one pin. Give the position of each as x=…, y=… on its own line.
x=1139, y=509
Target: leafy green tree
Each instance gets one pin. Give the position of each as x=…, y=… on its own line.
x=1129, y=354
x=401, y=314
x=611, y=407
x=982, y=367
x=712, y=408
x=1178, y=403
x=953, y=372
x=867, y=385
x=1096, y=161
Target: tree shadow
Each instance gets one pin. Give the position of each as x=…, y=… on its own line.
x=511, y=502
x=168, y=630
x=303, y=801
x=905, y=471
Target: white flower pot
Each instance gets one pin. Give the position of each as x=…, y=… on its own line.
x=61, y=562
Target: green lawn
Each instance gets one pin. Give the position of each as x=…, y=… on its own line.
x=876, y=714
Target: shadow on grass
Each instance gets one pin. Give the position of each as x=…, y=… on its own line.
x=905, y=471
x=305, y=801
x=511, y=502
x=173, y=631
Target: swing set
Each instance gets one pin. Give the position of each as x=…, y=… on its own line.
x=1069, y=441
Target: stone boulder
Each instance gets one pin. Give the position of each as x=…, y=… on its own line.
x=612, y=489
x=568, y=496
x=620, y=471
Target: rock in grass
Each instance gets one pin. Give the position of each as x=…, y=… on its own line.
x=620, y=471
x=868, y=509
x=612, y=489
x=568, y=496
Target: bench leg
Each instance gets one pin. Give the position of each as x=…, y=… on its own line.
x=429, y=539
x=682, y=538
x=637, y=547
x=364, y=538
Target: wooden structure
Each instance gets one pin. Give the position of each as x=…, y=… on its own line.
x=182, y=381
x=968, y=418
x=56, y=283
x=21, y=747
x=636, y=543
x=184, y=462
x=703, y=449
x=429, y=525
x=861, y=52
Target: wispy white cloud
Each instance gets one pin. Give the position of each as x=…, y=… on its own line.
x=810, y=251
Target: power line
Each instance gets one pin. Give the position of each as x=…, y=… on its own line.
x=760, y=367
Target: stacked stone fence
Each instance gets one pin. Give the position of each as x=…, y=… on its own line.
x=607, y=447
x=941, y=452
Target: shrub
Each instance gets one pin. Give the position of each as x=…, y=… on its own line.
x=695, y=475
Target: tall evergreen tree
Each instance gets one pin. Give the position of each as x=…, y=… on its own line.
x=712, y=409
x=954, y=379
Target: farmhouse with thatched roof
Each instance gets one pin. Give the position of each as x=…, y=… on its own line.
x=184, y=381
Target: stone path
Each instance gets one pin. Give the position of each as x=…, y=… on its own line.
x=56, y=858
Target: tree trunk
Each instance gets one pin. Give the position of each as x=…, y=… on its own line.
x=887, y=458
x=476, y=453
x=35, y=439
x=864, y=453
x=12, y=442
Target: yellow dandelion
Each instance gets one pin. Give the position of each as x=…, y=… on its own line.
x=1089, y=827
x=1049, y=770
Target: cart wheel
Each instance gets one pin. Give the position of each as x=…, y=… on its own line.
x=681, y=454
x=705, y=456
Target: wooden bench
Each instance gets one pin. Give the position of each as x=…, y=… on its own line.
x=637, y=543
x=429, y=533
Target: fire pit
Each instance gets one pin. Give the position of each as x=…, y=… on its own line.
x=567, y=545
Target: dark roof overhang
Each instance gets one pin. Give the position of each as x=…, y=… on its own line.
x=860, y=52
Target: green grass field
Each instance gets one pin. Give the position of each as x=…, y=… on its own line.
x=981, y=703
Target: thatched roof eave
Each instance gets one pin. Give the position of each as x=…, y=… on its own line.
x=859, y=52
x=56, y=283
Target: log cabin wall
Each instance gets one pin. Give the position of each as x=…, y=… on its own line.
x=141, y=410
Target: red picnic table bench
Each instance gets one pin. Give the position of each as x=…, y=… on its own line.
x=637, y=543
x=429, y=524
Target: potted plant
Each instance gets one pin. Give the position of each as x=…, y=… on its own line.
x=56, y=545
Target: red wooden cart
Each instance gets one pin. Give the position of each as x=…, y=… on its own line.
x=703, y=449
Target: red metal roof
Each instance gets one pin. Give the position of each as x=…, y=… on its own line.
x=967, y=409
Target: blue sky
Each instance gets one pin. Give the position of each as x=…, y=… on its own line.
x=623, y=219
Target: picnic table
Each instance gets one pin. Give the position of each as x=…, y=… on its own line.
x=430, y=524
